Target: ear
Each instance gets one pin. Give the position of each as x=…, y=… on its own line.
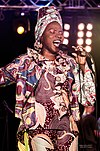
x=41, y=42
x=37, y=45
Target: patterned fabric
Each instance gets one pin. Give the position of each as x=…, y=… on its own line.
x=47, y=93
x=46, y=15
x=48, y=140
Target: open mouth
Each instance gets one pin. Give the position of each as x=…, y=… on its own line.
x=56, y=43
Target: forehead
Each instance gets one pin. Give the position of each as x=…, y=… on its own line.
x=54, y=25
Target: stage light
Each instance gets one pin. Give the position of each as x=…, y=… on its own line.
x=21, y=25
x=88, y=48
x=89, y=26
x=81, y=26
x=88, y=34
x=66, y=27
x=39, y=3
x=80, y=34
x=20, y=30
x=80, y=41
x=66, y=41
x=66, y=34
x=84, y=35
x=22, y=13
x=88, y=41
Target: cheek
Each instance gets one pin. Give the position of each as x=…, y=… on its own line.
x=50, y=36
x=62, y=38
x=49, y=39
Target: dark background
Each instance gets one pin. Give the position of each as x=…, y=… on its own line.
x=12, y=45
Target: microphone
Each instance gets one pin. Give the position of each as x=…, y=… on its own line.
x=65, y=49
x=79, y=50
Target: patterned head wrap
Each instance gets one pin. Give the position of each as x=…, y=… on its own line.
x=46, y=15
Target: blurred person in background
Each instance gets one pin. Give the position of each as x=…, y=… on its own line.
x=88, y=130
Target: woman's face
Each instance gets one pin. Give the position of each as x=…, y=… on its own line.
x=52, y=38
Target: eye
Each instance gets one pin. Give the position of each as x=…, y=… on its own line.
x=52, y=31
x=61, y=32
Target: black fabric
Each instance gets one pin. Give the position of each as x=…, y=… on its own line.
x=87, y=138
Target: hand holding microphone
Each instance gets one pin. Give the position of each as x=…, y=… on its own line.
x=81, y=51
x=80, y=55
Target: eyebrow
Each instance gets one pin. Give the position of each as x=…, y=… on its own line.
x=61, y=30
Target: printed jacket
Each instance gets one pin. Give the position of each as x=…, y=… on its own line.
x=27, y=70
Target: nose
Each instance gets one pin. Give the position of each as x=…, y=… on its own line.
x=59, y=35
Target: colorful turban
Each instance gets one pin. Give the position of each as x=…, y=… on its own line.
x=46, y=15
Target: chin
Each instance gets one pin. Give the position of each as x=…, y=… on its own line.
x=56, y=50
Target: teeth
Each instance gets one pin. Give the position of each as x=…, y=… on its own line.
x=56, y=40
x=56, y=43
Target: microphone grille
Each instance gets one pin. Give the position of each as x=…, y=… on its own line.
x=63, y=47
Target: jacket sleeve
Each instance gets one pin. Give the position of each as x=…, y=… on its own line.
x=8, y=74
x=84, y=86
